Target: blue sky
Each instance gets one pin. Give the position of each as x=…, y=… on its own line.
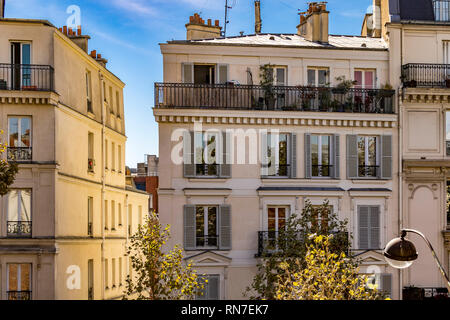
x=127, y=33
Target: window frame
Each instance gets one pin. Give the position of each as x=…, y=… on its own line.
x=320, y=156
x=205, y=149
x=206, y=225
x=316, y=76
x=19, y=134
x=19, y=278
x=270, y=143
x=367, y=156
x=363, y=71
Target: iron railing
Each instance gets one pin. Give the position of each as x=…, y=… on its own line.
x=20, y=153
x=369, y=171
x=441, y=10
x=321, y=170
x=19, y=229
x=207, y=169
x=272, y=242
x=207, y=241
x=283, y=98
x=426, y=75
x=19, y=295
x=27, y=77
x=279, y=170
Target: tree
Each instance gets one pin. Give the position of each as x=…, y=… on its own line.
x=8, y=171
x=325, y=276
x=159, y=275
x=289, y=246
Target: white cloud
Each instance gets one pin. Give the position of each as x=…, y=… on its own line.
x=140, y=7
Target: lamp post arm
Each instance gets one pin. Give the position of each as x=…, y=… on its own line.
x=441, y=268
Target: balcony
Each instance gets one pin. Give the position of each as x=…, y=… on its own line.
x=26, y=77
x=19, y=229
x=426, y=75
x=273, y=242
x=277, y=98
x=20, y=154
x=19, y=295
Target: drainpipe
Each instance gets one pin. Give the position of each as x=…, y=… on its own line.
x=102, y=95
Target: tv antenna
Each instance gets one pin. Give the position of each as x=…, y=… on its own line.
x=227, y=7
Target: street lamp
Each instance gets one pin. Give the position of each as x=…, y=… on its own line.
x=401, y=253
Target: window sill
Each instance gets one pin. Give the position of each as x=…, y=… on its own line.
x=370, y=180
x=207, y=179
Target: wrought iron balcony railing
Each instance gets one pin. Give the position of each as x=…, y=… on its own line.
x=279, y=170
x=282, y=98
x=426, y=75
x=19, y=295
x=369, y=171
x=20, y=154
x=207, y=241
x=207, y=169
x=19, y=229
x=321, y=170
x=273, y=242
x=26, y=77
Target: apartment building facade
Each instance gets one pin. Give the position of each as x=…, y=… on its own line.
x=66, y=222
x=237, y=157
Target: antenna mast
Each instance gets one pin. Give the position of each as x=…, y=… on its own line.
x=227, y=7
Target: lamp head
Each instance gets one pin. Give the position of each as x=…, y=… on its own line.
x=400, y=253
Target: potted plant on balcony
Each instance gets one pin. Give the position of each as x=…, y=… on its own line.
x=266, y=82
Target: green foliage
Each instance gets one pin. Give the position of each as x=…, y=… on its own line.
x=325, y=275
x=345, y=85
x=291, y=245
x=8, y=171
x=159, y=275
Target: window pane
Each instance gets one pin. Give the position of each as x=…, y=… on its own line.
x=13, y=132
x=283, y=156
x=25, y=132
x=311, y=77
x=315, y=150
x=212, y=221
x=13, y=205
x=369, y=75
x=25, y=277
x=372, y=151
x=323, y=78
x=361, y=151
x=25, y=204
x=448, y=125
x=211, y=148
x=325, y=150
x=281, y=76
x=281, y=218
x=358, y=79
x=198, y=143
x=271, y=219
x=26, y=53
x=200, y=226
x=13, y=277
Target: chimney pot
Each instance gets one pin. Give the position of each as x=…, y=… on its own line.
x=65, y=30
x=99, y=56
x=79, y=31
x=209, y=22
x=94, y=54
x=216, y=23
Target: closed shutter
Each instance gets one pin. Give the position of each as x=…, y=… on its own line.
x=222, y=74
x=293, y=156
x=225, y=167
x=187, y=72
x=374, y=225
x=308, y=164
x=336, y=157
x=363, y=227
x=225, y=227
x=386, y=157
x=264, y=156
x=352, y=156
x=189, y=228
x=188, y=155
x=213, y=287
x=386, y=283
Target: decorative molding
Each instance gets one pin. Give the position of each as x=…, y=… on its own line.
x=425, y=95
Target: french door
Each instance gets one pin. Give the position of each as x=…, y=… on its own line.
x=20, y=61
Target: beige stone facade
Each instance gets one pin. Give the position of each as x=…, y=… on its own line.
x=65, y=225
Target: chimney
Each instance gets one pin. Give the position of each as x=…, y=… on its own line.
x=2, y=9
x=314, y=23
x=98, y=58
x=197, y=29
x=258, y=21
x=77, y=37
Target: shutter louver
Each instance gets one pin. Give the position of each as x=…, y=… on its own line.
x=386, y=283
x=337, y=157
x=375, y=228
x=188, y=155
x=222, y=73
x=187, y=72
x=225, y=227
x=225, y=167
x=293, y=156
x=386, y=157
x=264, y=155
x=308, y=164
x=213, y=287
x=189, y=228
x=363, y=221
x=352, y=156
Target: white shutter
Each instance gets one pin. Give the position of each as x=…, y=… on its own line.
x=352, y=156
x=213, y=287
x=189, y=228
x=386, y=157
x=187, y=72
x=225, y=227
x=188, y=154
x=264, y=156
x=336, y=157
x=293, y=159
x=222, y=74
x=374, y=224
x=363, y=227
x=386, y=283
x=308, y=163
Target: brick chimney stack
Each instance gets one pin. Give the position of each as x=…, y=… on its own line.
x=77, y=37
x=2, y=9
x=258, y=21
x=314, y=23
x=197, y=29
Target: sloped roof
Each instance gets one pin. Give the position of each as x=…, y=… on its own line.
x=294, y=40
x=417, y=10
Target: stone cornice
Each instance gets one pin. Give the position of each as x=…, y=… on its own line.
x=425, y=95
x=426, y=170
x=252, y=117
x=29, y=97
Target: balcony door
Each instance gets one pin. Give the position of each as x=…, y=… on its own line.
x=276, y=225
x=19, y=281
x=20, y=60
x=19, y=213
x=365, y=79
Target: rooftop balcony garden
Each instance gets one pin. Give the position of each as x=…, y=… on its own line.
x=276, y=98
x=26, y=77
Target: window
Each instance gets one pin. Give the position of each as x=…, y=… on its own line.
x=120, y=214
x=369, y=227
x=21, y=59
x=320, y=156
x=90, y=230
x=106, y=215
x=19, y=281
x=19, y=144
x=113, y=215
x=89, y=92
x=276, y=158
x=19, y=213
x=318, y=77
x=130, y=219
x=447, y=136
x=119, y=156
x=320, y=216
x=91, y=161
x=367, y=156
x=90, y=279
x=206, y=226
x=111, y=101
x=211, y=288
x=441, y=10
x=365, y=79
x=120, y=272
x=118, y=104
x=113, y=272
x=113, y=156
x=279, y=75
x=205, y=74
x=106, y=275
x=106, y=155
x=276, y=224
x=206, y=157
x=104, y=91
x=382, y=281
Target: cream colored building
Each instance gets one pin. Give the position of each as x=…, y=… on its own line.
x=64, y=226
x=313, y=142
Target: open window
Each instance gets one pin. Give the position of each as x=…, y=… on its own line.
x=204, y=74
x=365, y=78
